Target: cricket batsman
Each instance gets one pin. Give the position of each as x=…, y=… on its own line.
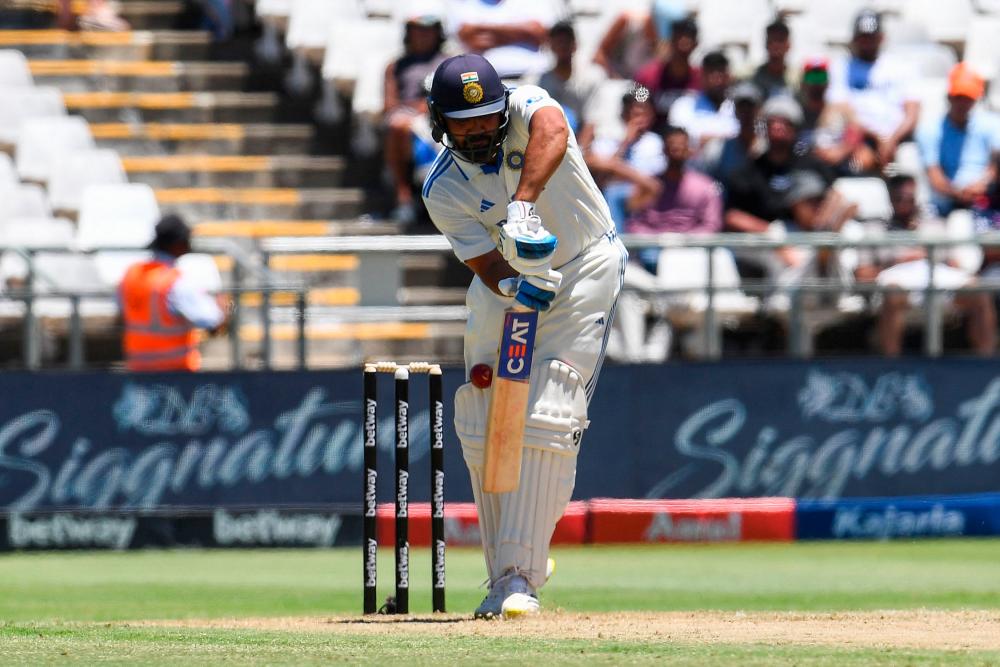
x=513, y=196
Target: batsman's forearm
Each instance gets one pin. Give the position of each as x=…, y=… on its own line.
x=547, y=143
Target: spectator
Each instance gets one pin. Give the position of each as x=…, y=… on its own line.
x=632, y=38
x=405, y=110
x=829, y=131
x=708, y=115
x=681, y=201
x=670, y=77
x=875, y=89
x=901, y=268
x=100, y=15
x=574, y=86
x=162, y=309
x=508, y=33
x=956, y=149
x=774, y=76
x=757, y=193
x=747, y=144
x=620, y=165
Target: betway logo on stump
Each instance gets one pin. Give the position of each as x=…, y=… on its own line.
x=668, y=528
x=67, y=531
x=269, y=528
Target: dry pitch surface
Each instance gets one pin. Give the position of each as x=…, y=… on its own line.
x=914, y=629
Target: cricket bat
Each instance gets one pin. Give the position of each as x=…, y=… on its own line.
x=509, y=401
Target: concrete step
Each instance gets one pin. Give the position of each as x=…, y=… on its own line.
x=104, y=107
x=199, y=138
x=339, y=345
x=257, y=229
x=138, y=75
x=313, y=203
x=257, y=171
x=144, y=14
x=131, y=45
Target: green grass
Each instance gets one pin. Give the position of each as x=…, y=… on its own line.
x=56, y=607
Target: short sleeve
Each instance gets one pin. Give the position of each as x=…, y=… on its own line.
x=526, y=100
x=467, y=236
x=929, y=143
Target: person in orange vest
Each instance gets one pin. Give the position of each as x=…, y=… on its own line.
x=162, y=309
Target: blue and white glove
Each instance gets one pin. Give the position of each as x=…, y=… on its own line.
x=524, y=242
x=534, y=291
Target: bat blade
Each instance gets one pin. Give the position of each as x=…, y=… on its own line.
x=509, y=402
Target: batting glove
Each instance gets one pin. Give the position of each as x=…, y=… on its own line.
x=524, y=242
x=534, y=291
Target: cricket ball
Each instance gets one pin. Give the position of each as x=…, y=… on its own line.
x=481, y=376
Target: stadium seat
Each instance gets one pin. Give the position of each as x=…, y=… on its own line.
x=354, y=42
x=722, y=22
x=8, y=175
x=117, y=216
x=20, y=104
x=111, y=265
x=932, y=60
x=43, y=142
x=30, y=233
x=948, y=23
x=78, y=170
x=687, y=268
x=202, y=269
x=25, y=200
x=14, y=71
x=870, y=194
x=982, y=47
x=961, y=225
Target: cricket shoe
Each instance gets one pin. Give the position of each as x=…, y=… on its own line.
x=520, y=600
x=492, y=605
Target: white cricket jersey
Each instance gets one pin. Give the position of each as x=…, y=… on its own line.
x=468, y=202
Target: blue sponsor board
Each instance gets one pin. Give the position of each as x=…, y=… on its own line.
x=517, y=344
x=898, y=518
x=814, y=430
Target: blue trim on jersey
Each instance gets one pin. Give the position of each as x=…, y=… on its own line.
x=495, y=167
x=437, y=169
x=459, y=167
x=592, y=382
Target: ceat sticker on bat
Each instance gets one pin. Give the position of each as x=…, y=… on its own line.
x=517, y=344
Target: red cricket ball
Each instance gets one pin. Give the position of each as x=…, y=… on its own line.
x=481, y=376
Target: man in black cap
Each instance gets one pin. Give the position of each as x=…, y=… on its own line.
x=876, y=90
x=162, y=309
x=514, y=197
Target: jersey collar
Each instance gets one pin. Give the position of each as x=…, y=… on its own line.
x=495, y=167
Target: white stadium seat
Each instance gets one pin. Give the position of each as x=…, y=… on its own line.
x=8, y=175
x=946, y=22
x=20, y=104
x=80, y=169
x=44, y=141
x=870, y=194
x=117, y=216
x=14, y=71
x=202, y=269
x=982, y=45
x=26, y=200
x=310, y=21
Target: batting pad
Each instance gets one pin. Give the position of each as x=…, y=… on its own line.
x=529, y=514
x=488, y=509
x=557, y=408
x=471, y=406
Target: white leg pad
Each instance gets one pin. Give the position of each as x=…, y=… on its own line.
x=528, y=516
x=488, y=509
x=471, y=406
x=557, y=408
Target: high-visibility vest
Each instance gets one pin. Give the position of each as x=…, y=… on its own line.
x=155, y=339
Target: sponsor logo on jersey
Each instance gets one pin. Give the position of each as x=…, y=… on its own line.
x=486, y=205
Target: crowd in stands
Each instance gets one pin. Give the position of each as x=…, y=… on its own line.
x=701, y=148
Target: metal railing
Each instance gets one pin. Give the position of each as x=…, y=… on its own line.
x=379, y=277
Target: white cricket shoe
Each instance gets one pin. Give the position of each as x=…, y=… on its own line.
x=520, y=599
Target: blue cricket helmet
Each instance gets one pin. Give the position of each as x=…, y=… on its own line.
x=467, y=86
